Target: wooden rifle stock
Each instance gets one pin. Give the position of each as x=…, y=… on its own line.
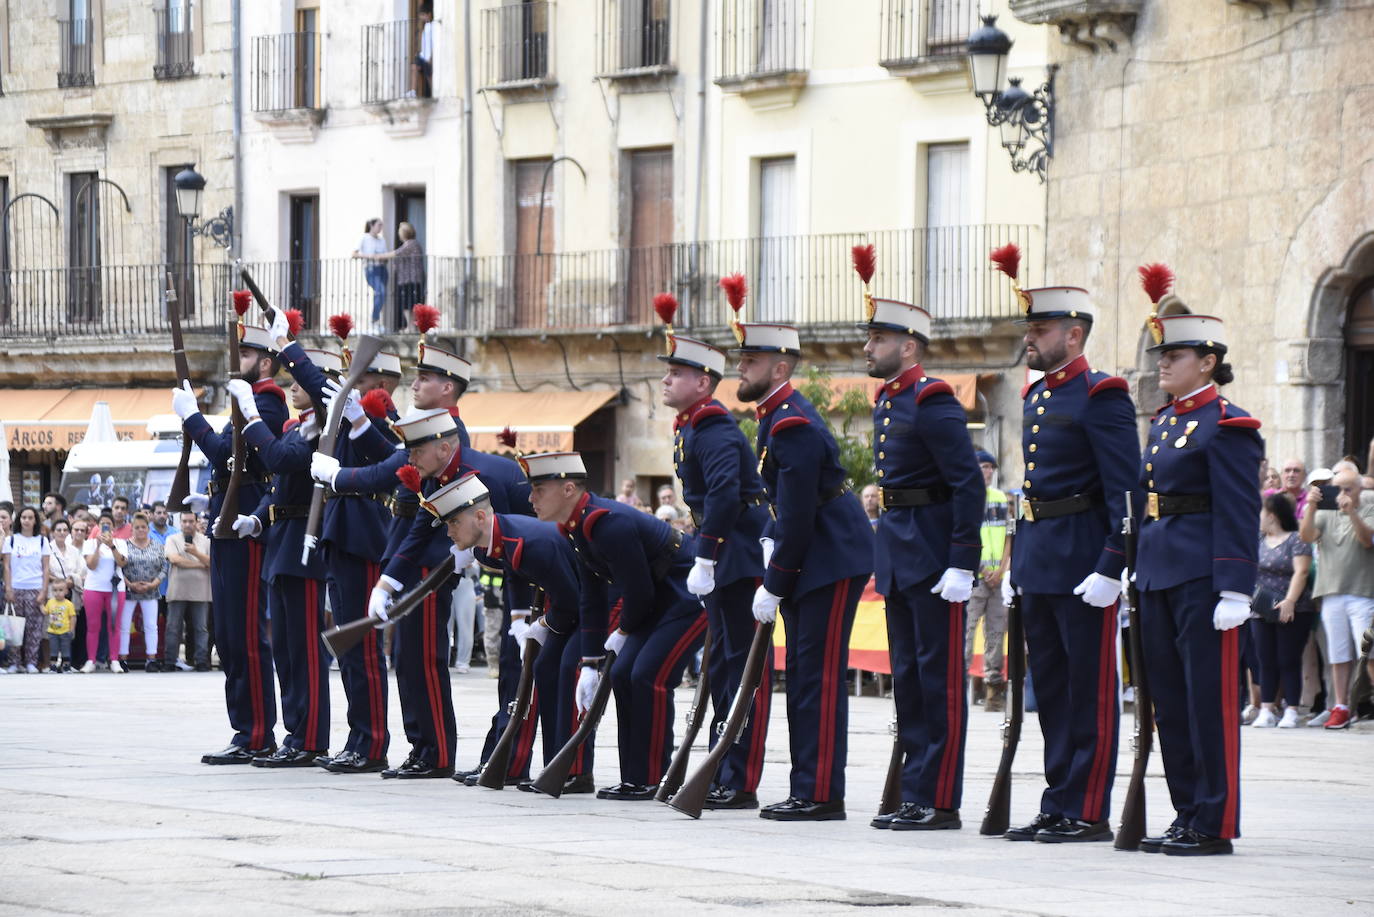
x=691, y=796
x=181, y=480
x=343, y=638
x=892, y=786
x=696, y=715
x=493, y=775
x=555, y=774
x=1132, y=826
x=368, y=348
x=997, y=818
x=229, y=508
x=261, y=300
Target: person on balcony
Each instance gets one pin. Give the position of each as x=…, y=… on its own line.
x=374, y=272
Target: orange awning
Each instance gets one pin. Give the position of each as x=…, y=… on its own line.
x=965, y=387
x=544, y=421
x=57, y=418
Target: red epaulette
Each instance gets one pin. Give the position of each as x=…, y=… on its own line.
x=710, y=410
x=291, y=424
x=1108, y=384
x=791, y=420
x=1025, y=390
x=590, y=519
x=513, y=553
x=269, y=387
x=938, y=387
x=1242, y=423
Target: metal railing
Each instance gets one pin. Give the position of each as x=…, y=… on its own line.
x=634, y=36
x=174, y=52
x=389, y=52
x=921, y=30
x=286, y=71
x=111, y=300
x=759, y=38
x=76, y=38
x=517, y=44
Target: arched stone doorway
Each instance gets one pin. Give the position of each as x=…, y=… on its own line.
x=1359, y=373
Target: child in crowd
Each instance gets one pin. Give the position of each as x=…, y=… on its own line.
x=61, y=624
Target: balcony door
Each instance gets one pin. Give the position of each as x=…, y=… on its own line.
x=83, y=246
x=306, y=58
x=304, y=272
x=651, y=232
x=774, y=285
x=947, y=252
x=533, y=264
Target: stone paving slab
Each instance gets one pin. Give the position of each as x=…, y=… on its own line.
x=109, y=812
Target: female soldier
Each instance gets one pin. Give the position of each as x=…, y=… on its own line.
x=1196, y=571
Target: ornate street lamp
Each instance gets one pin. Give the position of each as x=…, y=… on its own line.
x=189, y=186
x=1019, y=116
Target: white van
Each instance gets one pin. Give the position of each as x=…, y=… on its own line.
x=141, y=469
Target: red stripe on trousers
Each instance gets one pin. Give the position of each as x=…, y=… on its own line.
x=753, y=767
x=371, y=667
x=954, y=709
x=1230, y=725
x=428, y=654
x=1106, y=689
x=250, y=611
x=312, y=659
x=577, y=765
x=524, y=738
x=825, y=745
x=659, y=697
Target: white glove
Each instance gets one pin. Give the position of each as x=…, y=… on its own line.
x=538, y=632
x=955, y=585
x=309, y=428
x=767, y=550
x=462, y=558
x=1232, y=610
x=242, y=392
x=281, y=328
x=1008, y=591
x=184, y=401
x=379, y=602
x=248, y=526
x=586, y=689
x=616, y=641
x=702, y=578
x=1099, y=591
x=353, y=408
x=765, y=605
x=519, y=625
x=324, y=468
x=197, y=503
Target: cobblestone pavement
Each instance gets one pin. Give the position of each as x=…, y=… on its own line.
x=108, y=811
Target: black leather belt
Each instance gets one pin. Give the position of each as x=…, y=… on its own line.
x=921, y=496
x=663, y=561
x=277, y=513
x=404, y=510
x=382, y=498
x=1176, y=504
x=247, y=480
x=756, y=500
x=1035, y=510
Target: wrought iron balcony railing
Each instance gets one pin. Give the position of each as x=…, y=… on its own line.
x=760, y=38
x=517, y=45
x=388, y=61
x=286, y=71
x=634, y=37
x=174, y=51
x=76, y=39
x=920, y=31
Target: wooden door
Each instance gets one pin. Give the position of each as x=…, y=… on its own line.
x=533, y=259
x=651, y=232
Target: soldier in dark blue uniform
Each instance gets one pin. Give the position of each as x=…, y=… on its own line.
x=297, y=588
x=646, y=562
x=1196, y=573
x=236, y=566
x=817, y=554
x=928, y=547
x=1081, y=452
x=422, y=655
x=721, y=486
x=536, y=551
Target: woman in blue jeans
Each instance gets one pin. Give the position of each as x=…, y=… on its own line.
x=369, y=247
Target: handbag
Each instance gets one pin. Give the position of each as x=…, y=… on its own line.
x=13, y=626
x=1262, y=604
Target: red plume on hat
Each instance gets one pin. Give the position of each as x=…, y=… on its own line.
x=243, y=300
x=665, y=304
x=410, y=477
x=735, y=289
x=295, y=321
x=1008, y=261
x=341, y=325
x=506, y=437
x=865, y=264
x=426, y=317
x=377, y=403
x=1158, y=280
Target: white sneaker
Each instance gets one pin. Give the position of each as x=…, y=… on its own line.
x=13, y=670
x=1247, y=716
x=1267, y=719
x=89, y=667
x=461, y=668
x=1290, y=718
x=1320, y=719
x=116, y=667
x=31, y=669
x=183, y=667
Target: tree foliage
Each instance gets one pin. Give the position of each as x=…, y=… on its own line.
x=847, y=416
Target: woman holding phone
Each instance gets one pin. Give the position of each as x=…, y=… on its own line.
x=105, y=556
x=26, y=551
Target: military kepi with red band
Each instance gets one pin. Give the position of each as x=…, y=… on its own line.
x=420, y=427
x=551, y=466
x=455, y=496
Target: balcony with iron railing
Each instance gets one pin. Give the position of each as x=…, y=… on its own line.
x=388, y=60
x=174, y=51
x=634, y=39
x=926, y=37
x=287, y=85
x=803, y=280
x=76, y=42
x=517, y=46
x=761, y=46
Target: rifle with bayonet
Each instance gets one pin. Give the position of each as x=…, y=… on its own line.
x=696, y=715
x=229, y=508
x=555, y=774
x=343, y=638
x=1132, y=827
x=998, y=816
x=493, y=775
x=181, y=481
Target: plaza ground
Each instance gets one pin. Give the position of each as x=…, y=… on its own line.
x=107, y=811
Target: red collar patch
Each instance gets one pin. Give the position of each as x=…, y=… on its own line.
x=570, y=524
x=1075, y=368
x=1193, y=402
x=684, y=416
x=770, y=404
x=451, y=469
x=907, y=379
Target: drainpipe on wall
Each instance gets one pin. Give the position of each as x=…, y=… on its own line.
x=469, y=218
x=236, y=30
x=702, y=59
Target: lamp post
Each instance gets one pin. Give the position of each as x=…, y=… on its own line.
x=1022, y=118
x=189, y=186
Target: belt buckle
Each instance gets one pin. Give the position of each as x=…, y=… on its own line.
x=882, y=497
x=272, y=513
x=1027, y=510
x=1152, y=506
